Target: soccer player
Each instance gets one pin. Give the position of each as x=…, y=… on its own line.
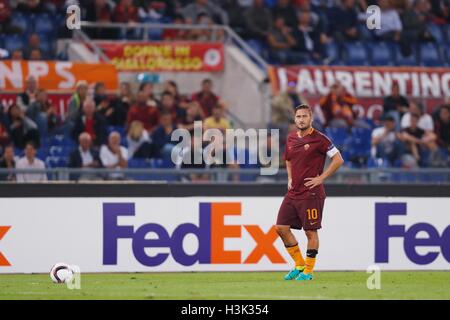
x=306, y=150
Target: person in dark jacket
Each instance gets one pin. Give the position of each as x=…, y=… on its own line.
x=84, y=157
x=91, y=122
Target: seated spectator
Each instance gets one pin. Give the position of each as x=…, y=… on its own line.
x=4, y=126
x=162, y=136
x=125, y=12
x=205, y=34
x=343, y=21
x=284, y=9
x=221, y=157
x=217, y=120
x=126, y=96
x=206, y=98
x=43, y=113
x=6, y=27
x=114, y=156
x=308, y=38
x=442, y=128
x=7, y=161
x=395, y=104
x=281, y=43
x=91, y=122
x=99, y=11
x=391, y=25
x=191, y=157
x=144, y=111
x=85, y=157
x=76, y=101
x=258, y=21
x=156, y=11
x=113, y=110
x=139, y=142
x=168, y=104
x=17, y=55
x=34, y=43
x=147, y=89
x=385, y=144
x=425, y=120
x=192, y=11
x=27, y=97
x=21, y=128
x=177, y=34
x=193, y=114
x=29, y=161
x=337, y=107
x=415, y=140
x=234, y=12
x=440, y=11
x=172, y=87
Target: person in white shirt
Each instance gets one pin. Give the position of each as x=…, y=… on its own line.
x=114, y=156
x=29, y=161
x=425, y=120
x=385, y=142
x=391, y=25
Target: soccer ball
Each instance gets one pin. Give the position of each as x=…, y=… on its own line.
x=61, y=273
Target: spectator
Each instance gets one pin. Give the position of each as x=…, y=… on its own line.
x=188, y=159
x=35, y=55
x=17, y=54
x=114, y=156
x=284, y=9
x=91, y=122
x=114, y=112
x=337, y=107
x=29, y=95
x=425, y=120
x=99, y=11
x=139, y=142
x=221, y=157
x=234, y=12
x=259, y=21
x=440, y=10
x=34, y=43
x=156, y=11
x=4, y=126
x=125, y=12
x=168, y=103
x=395, y=104
x=147, y=88
x=281, y=42
x=206, y=97
x=77, y=100
x=8, y=162
x=442, y=128
x=84, y=157
x=177, y=34
x=5, y=19
x=343, y=21
x=29, y=161
x=308, y=38
x=126, y=95
x=385, y=144
x=193, y=114
x=32, y=7
x=205, y=34
x=413, y=139
x=21, y=128
x=43, y=113
x=144, y=111
x=391, y=25
x=162, y=136
x=217, y=120
x=172, y=87
x=193, y=10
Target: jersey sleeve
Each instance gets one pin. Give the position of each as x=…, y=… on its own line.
x=328, y=147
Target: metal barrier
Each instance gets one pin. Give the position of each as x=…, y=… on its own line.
x=237, y=176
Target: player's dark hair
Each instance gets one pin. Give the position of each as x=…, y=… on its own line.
x=303, y=106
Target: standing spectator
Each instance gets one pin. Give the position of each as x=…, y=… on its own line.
x=84, y=157
x=337, y=107
x=162, y=136
x=143, y=111
x=139, y=142
x=192, y=11
x=43, y=113
x=442, y=128
x=206, y=97
x=8, y=162
x=217, y=120
x=283, y=8
x=29, y=161
x=391, y=25
x=385, y=144
x=114, y=156
x=29, y=95
x=395, y=104
x=343, y=21
x=308, y=38
x=21, y=128
x=77, y=100
x=259, y=21
x=91, y=122
x=112, y=110
x=425, y=120
x=281, y=42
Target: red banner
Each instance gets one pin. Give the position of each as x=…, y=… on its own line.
x=368, y=84
x=165, y=56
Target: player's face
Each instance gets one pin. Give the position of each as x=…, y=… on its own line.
x=303, y=119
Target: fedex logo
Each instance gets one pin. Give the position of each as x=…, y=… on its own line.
x=385, y=231
x=211, y=233
x=3, y=261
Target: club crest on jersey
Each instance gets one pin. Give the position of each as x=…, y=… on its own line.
x=306, y=146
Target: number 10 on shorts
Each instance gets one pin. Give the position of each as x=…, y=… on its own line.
x=312, y=214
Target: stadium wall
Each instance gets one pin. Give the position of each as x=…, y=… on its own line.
x=175, y=227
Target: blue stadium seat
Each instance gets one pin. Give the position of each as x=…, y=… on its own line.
x=401, y=60
x=356, y=54
x=429, y=55
x=13, y=42
x=437, y=32
x=337, y=135
x=381, y=54
x=364, y=32
x=333, y=53
x=21, y=21
x=44, y=24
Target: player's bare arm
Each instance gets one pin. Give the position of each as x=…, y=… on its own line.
x=336, y=163
x=289, y=173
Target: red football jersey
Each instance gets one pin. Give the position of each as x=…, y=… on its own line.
x=307, y=156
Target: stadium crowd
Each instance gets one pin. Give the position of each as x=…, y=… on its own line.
x=282, y=31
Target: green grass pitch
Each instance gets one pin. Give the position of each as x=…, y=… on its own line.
x=230, y=285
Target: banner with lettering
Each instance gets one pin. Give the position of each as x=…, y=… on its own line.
x=165, y=56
